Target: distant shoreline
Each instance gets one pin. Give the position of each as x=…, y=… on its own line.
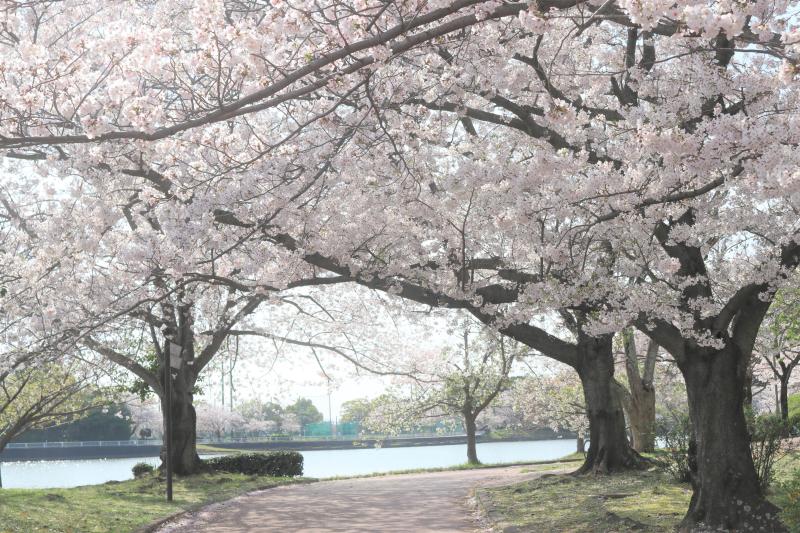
x=131, y=451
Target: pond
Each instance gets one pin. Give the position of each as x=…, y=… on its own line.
x=318, y=463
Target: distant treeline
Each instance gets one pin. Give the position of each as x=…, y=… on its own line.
x=108, y=423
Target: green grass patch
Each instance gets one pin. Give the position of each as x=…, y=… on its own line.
x=118, y=507
x=643, y=501
x=794, y=404
x=636, y=501
x=209, y=449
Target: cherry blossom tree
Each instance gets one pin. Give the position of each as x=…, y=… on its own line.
x=627, y=161
x=609, y=443
x=290, y=423
x=778, y=345
x=217, y=421
x=146, y=416
x=460, y=383
x=257, y=428
x=188, y=329
x=552, y=397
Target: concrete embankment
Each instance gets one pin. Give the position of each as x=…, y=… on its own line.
x=128, y=451
x=78, y=452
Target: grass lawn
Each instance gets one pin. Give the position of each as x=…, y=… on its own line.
x=118, y=507
x=567, y=462
x=641, y=501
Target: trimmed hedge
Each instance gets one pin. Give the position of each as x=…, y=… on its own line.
x=141, y=469
x=278, y=464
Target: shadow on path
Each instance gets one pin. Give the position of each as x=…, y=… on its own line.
x=399, y=503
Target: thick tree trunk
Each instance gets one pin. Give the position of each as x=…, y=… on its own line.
x=185, y=460
x=472, y=448
x=609, y=450
x=581, y=444
x=726, y=490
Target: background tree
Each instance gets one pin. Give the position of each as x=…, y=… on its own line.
x=552, y=396
x=216, y=421
x=460, y=383
x=778, y=344
x=304, y=411
x=109, y=422
x=39, y=394
x=270, y=412
x=639, y=398
x=355, y=410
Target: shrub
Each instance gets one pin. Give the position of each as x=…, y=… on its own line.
x=788, y=497
x=794, y=424
x=766, y=432
x=141, y=469
x=263, y=464
x=676, y=439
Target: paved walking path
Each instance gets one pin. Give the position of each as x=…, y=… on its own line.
x=401, y=503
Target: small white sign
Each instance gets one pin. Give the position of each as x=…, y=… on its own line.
x=175, y=355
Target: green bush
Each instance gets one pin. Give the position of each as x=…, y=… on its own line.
x=279, y=464
x=794, y=424
x=676, y=436
x=766, y=432
x=141, y=469
x=788, y=498
x=794, y=404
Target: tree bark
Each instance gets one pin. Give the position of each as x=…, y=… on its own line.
x=640, y=408
x=185, y=460
x=609, y=450
x=747, y=386
x=640, y=402
x=643, y=420
x=784, y=398
x=581, y=445
x=726, y=490
x=472, y=448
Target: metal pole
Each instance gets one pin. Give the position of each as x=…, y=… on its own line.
x=330, y=415
x=231, y=365
x=168, y=423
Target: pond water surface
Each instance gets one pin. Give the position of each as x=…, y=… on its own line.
x=317, y=463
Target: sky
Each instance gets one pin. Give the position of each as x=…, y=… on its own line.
x=386, y=330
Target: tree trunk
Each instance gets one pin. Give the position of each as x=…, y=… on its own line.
x=472, y=448
x=642, y=417
x=726, y=490
x=581, y=444
x=747, y=386
x=784, y=398
x=185, y=460
x=640, y=402
x=609, y=450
